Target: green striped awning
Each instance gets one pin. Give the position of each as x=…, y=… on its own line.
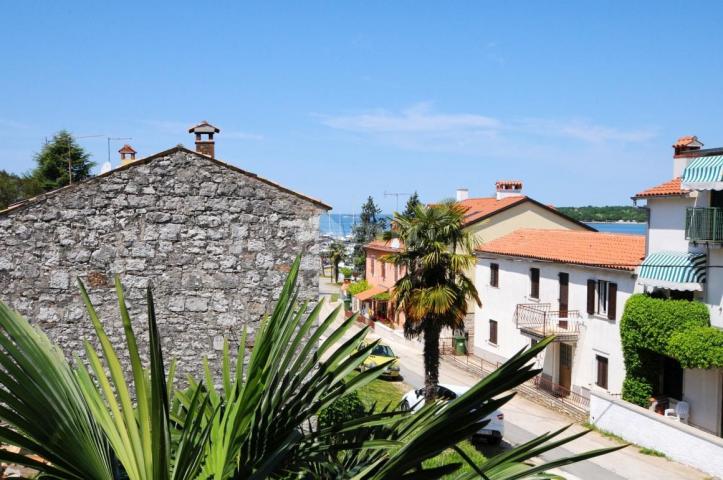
x=673, y=270
x=704, y=173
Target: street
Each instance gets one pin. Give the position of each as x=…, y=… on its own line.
x=525, y=420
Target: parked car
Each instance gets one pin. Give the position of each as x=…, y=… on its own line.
x=382, y=353
x=492, y=432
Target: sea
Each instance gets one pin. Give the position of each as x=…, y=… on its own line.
x=339, y=225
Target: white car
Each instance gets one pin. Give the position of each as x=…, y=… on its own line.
x=492, y=432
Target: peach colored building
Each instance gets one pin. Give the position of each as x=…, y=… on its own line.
x=374, y=303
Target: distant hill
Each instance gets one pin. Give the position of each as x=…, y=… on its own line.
x=604, y=214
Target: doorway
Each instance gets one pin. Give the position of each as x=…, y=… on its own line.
x=565, y=368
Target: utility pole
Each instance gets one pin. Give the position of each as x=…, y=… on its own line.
x=115, y=139
x=396, y=195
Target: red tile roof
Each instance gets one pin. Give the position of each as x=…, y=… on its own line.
x=605, y=250
x=685, y=140
x=367, y=294
x=669, y=188
x=478, y=208
x=383, y=245
x=126, y=149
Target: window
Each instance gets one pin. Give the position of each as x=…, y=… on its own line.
x=602, y=371
x=371, y=259
x=493, y=332
x=534, y=283
x=396, y=273
x=494, y=275
x=383, y=266
x=602, y=298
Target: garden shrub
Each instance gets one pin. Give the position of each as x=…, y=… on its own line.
x=357, y=287
x=654, y=326
x=344, y=409
x=382, y=297
x=699, y=347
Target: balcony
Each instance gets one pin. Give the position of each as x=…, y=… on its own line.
x=538, y=320
x=704, y=224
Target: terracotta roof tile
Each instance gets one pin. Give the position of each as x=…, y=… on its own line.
x=384, y=245
x=606, y=250
x=478, y=208
x=126, y=149
x=685, y=140
x=367, y=294
x=669, y=188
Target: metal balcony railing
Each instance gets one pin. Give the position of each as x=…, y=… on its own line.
x=538, y=320
x=704, y=224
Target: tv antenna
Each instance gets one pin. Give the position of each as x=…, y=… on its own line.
x=115, y=139
x=396, y=195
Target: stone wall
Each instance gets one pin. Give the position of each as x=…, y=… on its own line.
x=214, y=242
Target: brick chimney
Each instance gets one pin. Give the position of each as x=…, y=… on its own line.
x=204, y=138
x=127, y=154
x=462, y=194
x=508, y=188
x=681, y=153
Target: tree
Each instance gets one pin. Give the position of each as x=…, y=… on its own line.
x=434, y=292
x=51, y=171
x=256, y=421
x=371, y=225
x=337, y=251
x=15, y=187
x=10, y=188
x=412, y=203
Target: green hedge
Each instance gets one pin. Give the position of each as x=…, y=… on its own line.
x=677, y=328
x=382, y=297
x=357, y=287
x=699, y=347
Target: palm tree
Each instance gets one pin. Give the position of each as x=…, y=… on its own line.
x=435, y=290
x=79, y=420
x=337, y=251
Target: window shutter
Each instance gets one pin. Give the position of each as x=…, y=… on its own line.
x=591, y=296
x=612, y=300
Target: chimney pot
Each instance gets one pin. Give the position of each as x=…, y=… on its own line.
x=205, y=146
x=462, y=194
x=127, y=154
x=508, y=188
x=681, y=147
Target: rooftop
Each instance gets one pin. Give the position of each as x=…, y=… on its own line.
x=393, y=245
x=596, y=249
x=484, y=207
x=666, y=189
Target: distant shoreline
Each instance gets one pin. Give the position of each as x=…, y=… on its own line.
x=626, y=222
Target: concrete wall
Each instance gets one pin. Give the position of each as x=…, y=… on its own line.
x=702, y=389
x=598, y=335
x=524, y=215
x=215, y=244
x=382, y=273
x=682, y=443
x=666, y=225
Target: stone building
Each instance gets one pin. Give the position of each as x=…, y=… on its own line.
x=214, y=241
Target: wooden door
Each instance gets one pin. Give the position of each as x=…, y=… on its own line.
x=565, y=377
x=564, y=283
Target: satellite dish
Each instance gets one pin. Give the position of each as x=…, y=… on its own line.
x=105, y=168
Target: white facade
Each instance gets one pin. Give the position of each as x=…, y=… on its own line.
x=702, y=389
x=598, y=335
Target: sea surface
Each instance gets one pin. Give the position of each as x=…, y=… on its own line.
x=341, y=224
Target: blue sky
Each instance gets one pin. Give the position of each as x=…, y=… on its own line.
x=341, y=100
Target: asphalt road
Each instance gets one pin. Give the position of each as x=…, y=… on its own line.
x=516, y=434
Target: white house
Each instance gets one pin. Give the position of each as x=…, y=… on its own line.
x=571, y=284
x=684, y=259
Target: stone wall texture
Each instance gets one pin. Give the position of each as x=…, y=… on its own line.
x=214, y=242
